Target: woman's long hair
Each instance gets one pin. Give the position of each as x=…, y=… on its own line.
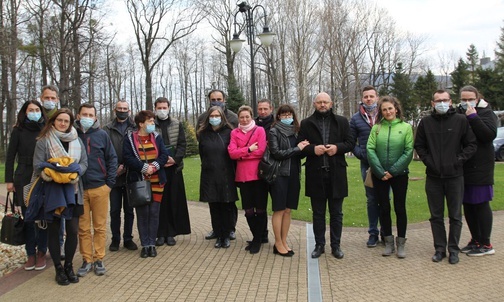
x=395, y=102
x=21, y=116
x=285, y=108
x=50, y=122
x=206, y=122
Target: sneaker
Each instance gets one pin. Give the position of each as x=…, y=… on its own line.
x=372, y=241
x=130, y=245
x=482, y=251
x=84, y=269
x=114, y=246
x=30, y=264
x=472, y=245
x=99, y=268
x=40, y=264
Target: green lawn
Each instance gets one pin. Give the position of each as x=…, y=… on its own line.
x=354, y=207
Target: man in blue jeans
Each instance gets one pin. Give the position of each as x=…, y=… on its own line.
x=360, y=127
x=118, y=198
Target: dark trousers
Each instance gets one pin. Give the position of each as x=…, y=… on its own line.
x=335, y=214
x=479, y=219
x=373, y=209
x=222, y=217
x=147, y=223
x=399, y=185
x=36, y=238
x=118, y=201
x=453, y=189
x=72, y=230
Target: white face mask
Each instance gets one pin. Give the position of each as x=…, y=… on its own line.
x=49, y=105
x=442, y=107
x=162, y=114
x=464, y=104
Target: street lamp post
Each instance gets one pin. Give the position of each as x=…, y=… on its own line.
x=236, y=43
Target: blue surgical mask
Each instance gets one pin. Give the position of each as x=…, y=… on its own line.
x=287, y=121
x=215, y=121
x=464, y=104
x=369, y=107
x=150, y=128
x=34, y=116
x=217, y=103
x=442, y=107
x=86, y=122
x=49, y=105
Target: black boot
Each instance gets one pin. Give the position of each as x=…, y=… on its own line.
x=72, y=278
x=61, y=276
x=258, y=232
x=255, y=245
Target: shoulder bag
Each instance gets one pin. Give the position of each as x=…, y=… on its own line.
x=12, y=232
x=139, y=192
x=268, y=167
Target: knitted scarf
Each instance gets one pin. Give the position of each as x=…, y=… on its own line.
x=247, y=128
x=55, y=147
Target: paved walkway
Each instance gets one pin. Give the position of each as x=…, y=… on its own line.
x=194, y=270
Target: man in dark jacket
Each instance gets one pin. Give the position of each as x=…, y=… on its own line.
x=445, y=141
x=360, y=127
x=326, y=176
x=173, y=213
x=98, y=181
x=116, y=130
x=217, y=97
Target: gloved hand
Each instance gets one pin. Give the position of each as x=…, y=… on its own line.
x=74, y=181
x=45, y=177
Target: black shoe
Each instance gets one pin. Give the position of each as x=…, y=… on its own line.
x=130, y=245
x=145, y=252
x=276, y=252
x=152, y=251
x=225, y=243
x=170, y=241
x=114, y=246
x=438, y=256
x=211, y=235
x=291, y=252
x=72, y=278
x=160, y=241
x=318, y=251
x=249, y=244
x=232, y=235
x=218, y=243
x=337, y=253
x=453, y=258
x=61, y=276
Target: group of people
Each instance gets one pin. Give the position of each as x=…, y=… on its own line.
x=82, y=166
x=69, y=168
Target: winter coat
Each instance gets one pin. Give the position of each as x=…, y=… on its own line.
x=217, y=168
x=390, y=148
x=247, y=163
x=117, y=138
x=174, y=139
x=479, y=169
x=340, y=136
x=102, y=169
x=21, y=147
x=445, y=142
x=280, y=149
x=360, y=128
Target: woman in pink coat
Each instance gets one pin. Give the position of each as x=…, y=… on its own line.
x=247, y=146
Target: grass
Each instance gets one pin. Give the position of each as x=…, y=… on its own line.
x=354, y=206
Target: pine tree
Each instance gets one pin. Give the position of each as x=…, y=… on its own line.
x=472, y=63
x=402, y=90
x=235, y=97
x=459, y=77
x=423, y=89
x=499, y=53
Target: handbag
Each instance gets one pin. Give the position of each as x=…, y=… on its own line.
x=268, y=167
x=368, y=182
x=139, y=192
x=12, y=232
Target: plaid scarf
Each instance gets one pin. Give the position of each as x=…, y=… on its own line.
x=55, y=147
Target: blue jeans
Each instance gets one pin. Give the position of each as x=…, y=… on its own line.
x=36, y=238
x=118, y=201
x=373, y=209
x=147, y=223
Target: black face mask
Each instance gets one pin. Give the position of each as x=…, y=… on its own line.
x=122, y=115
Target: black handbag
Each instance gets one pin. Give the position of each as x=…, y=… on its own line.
x=268, y=167
x=140, y=192
x=12, y=232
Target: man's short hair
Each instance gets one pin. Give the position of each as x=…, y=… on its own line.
x=217, y=90
x=265, y=101
x=369, y=87
x=50, y=87
x=161, y=99
x=439, y=91
x=87, y=105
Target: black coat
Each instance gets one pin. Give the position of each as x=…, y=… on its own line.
x=340, y=136
x=117, y=138
x=217, y=168
x=281, y=150
x=21, y=146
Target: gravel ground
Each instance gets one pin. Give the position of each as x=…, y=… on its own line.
x=11, y=257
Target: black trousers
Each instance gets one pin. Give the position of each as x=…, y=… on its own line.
x=72, y=230
x=399, y=186
x=222, y=215
x=479, y=219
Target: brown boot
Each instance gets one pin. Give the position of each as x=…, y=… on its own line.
x=30, y=264
x=41, y=261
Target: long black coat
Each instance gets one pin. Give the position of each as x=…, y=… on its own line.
x=217, y=169
x=340, y=136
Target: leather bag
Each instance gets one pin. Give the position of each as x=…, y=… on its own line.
x=139, y=193
x=369, y=180
x=268, y=168
x=12, y=232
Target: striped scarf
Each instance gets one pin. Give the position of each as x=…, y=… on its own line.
x=55, y=147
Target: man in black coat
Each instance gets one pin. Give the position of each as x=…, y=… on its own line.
x=326, y=176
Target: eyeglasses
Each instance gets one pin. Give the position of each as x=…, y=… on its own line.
x=62, y=121
x=442, y=101
x=467, y=100
x=286, y=115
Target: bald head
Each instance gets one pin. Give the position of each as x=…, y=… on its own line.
x=322, y=102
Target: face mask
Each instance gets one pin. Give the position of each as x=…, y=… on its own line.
x=464, y=104
x=34, y=116
x=86, y=122
x=150, y=128
x=216, y=103
x=122, y=115
x=162, y=114
x=215, y=121
x=287, y=121
x=369, y=107
x=441, y=107
x=49, y=105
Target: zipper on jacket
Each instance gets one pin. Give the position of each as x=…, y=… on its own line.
x=388, y=145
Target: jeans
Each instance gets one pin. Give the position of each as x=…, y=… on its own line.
x=118, y=201
x=436, y=190
x=147, y=223
x=373, y=209
x=36, y=238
